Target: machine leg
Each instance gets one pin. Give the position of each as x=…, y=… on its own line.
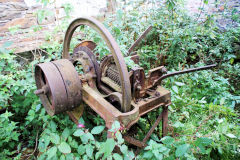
x=165, y=121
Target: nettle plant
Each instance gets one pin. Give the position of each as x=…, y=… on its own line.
x=201, y=123
x=81, y=143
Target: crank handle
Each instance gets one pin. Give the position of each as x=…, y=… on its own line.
x=159, y=80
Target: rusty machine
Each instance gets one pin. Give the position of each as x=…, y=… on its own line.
x=106, y=86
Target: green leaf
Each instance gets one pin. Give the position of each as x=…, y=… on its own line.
x=78, y=133
x=232, y=60
x=167, y=140
x=203, y=141
x=43, y=143
x=52, y=152
x=205, y=1
x=89, y=150
x=124, y=149
x=107, y=147
x=222, y=100
x=179, y=83
x=158, y=155
x=117, y=156
x=81, y=121
x=65, y=133
x=155, y=137
x=90, y=136
x=97, y=130
x=62, y=157
x=54, y=138
x=120, y=140
x=64, y=148
x=230, y=135
x=181, y=150
x=98, y=154
x=38, y=107
x=148, y=155
x=81, y=149
x=70, y=156
x=84, y=139
x=85, y=157
x=115, y=126
x=53, y=126
x=220, y=150
x=175, y=89
x=178, y=124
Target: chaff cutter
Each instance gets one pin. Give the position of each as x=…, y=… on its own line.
x=106, y=86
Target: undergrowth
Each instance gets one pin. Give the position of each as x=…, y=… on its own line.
x=203, y=118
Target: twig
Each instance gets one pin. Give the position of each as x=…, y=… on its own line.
x=34, y=55
x=21, y=57
x=44, y=51
x=36, y=144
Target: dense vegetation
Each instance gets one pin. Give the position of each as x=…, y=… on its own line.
x=203, y=119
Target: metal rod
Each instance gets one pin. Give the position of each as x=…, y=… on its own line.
x=164, y=121
x=150, y=132
x=43, y=90
x=134, y=141
x=159, y=80
x=143, y=35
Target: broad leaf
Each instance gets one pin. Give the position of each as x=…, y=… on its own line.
x=117, y=156
x=64, y=148
x=203, y=141
x=179, y=83
x=175, y=89
x=81, y=150
x=230, y=135
x=124, y=149
x=52, y=152
x=167, y=140
x=97, y=130
x=148, y=155
x=107, y=147
x=181, y=150
x=55, y=138
x=89, y=150
x=65, y=133
x=78, y=133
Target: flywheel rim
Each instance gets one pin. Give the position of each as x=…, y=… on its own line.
x=114, y=49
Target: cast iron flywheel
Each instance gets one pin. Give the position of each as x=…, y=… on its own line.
x=114, y=49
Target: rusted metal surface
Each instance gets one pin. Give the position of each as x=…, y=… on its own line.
x=143, y=35
x=138, y=83
x=164, y=120
x=134, y=141
x=58, y=86
x=159, y=80
x=87, y=60
x=71, y=81
x=150, y=132
x=87, y=43
x=114, y=49
x=108, y=88
x=141, y=144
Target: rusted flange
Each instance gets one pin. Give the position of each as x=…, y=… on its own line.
x=114, y=49
x=59, y=86
x=91, y=57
